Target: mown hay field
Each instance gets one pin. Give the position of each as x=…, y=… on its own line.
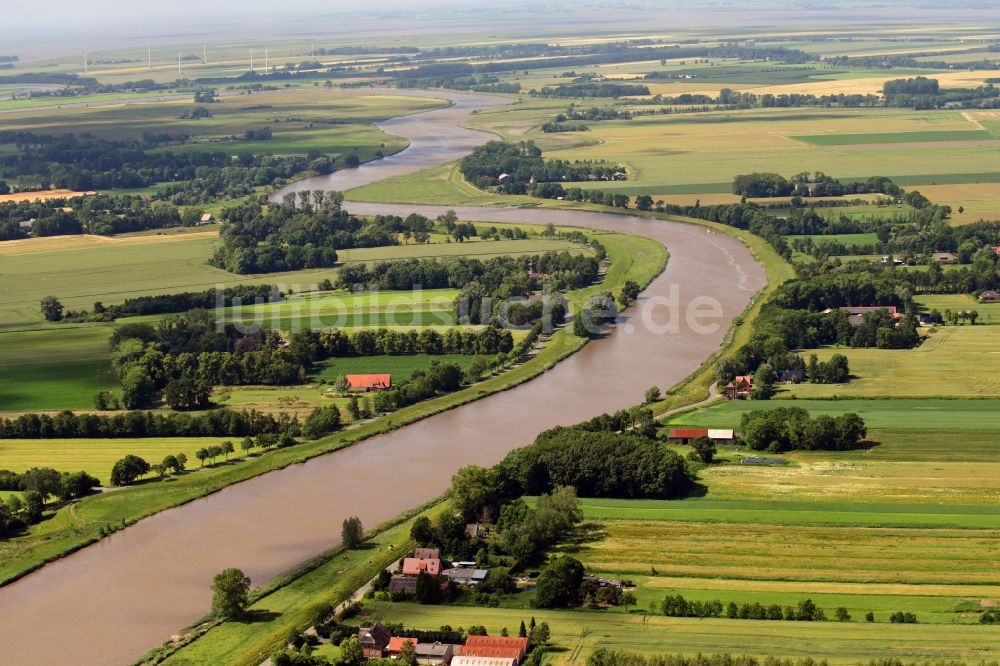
x=953, y=361
x=98, y=456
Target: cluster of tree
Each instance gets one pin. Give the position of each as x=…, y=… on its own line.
x=678, y=606
x=923, y=93
x=49, y=482
x=439, y=378
x=498, y=278
x=792, y=428
x=517, y=168
x=805, y=184
x=596, y=464
x=19, y=511
x=101, y=214
x=594, y=89
x=903, y=617
x=486, y=83
x=598, y=312
x=217, y=423
x=197, y=113
x=564, y=122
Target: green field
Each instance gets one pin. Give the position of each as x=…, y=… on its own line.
x=902, y=414
x=953, y=361
x=57, y=368
x=989, y=313
x=846, y=239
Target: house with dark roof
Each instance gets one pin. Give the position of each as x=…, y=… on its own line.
x=792, y=376
x=374, y=640
x=369, y=382
x=466, y=575
x=856, y=314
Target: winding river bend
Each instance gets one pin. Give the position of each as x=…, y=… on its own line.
x=110, y=602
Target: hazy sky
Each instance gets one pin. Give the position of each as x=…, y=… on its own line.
x=68, y=12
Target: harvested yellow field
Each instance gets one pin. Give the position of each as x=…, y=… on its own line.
x=873, y=85
x=85, y=241
x=979, y=200
x=18, y=197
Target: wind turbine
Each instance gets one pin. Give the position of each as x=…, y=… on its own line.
x=84, y=63
x=204, y=53
x=178, y=63
x=149, y=58
x=251, y=60
x=265, y=61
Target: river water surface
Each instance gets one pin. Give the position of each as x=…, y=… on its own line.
x=110, y=602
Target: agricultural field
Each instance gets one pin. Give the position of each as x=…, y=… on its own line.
x=703, y=152
x=903, y=414
x=953, y=361
x=97, y=456
x=83, y=269
x=53, y=369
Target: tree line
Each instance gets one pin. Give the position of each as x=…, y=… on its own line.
x=140, y=424
x=678, y=606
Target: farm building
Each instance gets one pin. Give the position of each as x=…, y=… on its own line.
x=434, y=654
x=206, y=219
x=463, y=660
x=856, y=315
x=374, y=640
x=945, y=258
x=688, y=435
x=466, y=575
x=496, y=647
x=989, y=296
x=369, y=382
x=740, y=387
x=26, y=224
x=403, y=585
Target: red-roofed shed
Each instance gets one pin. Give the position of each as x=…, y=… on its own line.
x=369, y=382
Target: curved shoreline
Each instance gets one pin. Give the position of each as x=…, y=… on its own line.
x=131, y=590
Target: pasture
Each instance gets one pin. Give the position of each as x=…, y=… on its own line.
x=989, y=313
x=953, y=361
x=904, y=414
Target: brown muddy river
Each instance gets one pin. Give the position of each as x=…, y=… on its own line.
x=109, y=603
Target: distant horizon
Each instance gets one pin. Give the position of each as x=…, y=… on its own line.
x=30, y=37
